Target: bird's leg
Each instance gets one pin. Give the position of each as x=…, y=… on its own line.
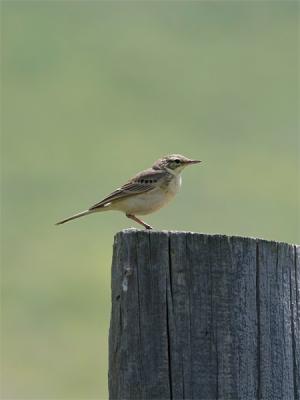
x=139, y=221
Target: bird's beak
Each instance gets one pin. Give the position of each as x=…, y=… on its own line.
x=193, y=162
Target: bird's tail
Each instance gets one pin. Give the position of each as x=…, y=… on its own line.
x=81, y=214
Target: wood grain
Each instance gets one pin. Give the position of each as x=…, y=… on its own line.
x=207, y=317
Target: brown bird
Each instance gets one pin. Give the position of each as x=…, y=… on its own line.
x=146, y=192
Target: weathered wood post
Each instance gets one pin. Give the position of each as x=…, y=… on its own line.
x=204, y=317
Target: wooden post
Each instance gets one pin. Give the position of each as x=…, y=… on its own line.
x=204, y=317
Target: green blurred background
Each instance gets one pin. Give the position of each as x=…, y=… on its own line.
x=93, y=92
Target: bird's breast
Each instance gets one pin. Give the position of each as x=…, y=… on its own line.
x=173, y=185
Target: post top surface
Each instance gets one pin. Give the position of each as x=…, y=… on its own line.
x=133, y=231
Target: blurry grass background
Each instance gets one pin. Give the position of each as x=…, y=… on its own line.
x=94, y=91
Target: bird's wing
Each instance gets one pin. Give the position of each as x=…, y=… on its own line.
x=143, y=182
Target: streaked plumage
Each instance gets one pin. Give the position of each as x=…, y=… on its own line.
x=146, y=192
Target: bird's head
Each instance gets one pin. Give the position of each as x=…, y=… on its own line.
x=174, y=163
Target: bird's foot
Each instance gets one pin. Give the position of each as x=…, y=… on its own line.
x=139, y=221
x=148, y=226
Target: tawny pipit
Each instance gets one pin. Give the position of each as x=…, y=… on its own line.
x=146, y=192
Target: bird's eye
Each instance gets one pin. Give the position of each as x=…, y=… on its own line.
x=177, y=161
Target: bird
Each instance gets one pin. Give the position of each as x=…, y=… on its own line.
x=144, y=193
